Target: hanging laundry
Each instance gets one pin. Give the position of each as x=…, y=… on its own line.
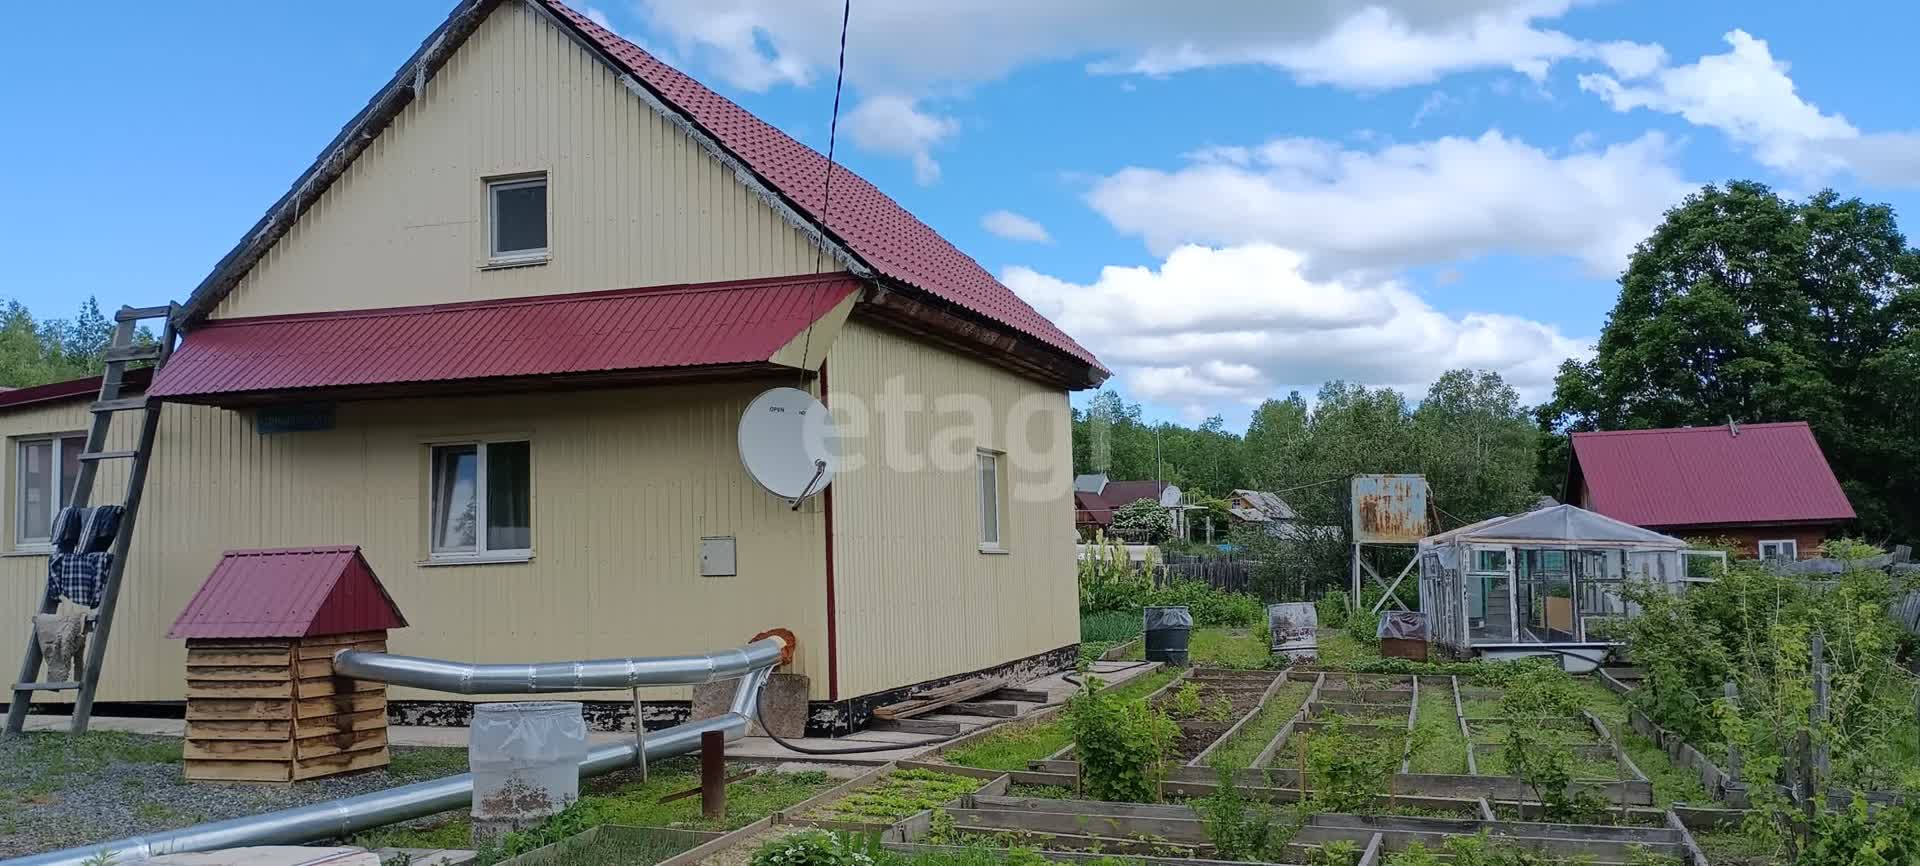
x=63, y=644
x=102, y=524
x=79, y=577
x=66, y=528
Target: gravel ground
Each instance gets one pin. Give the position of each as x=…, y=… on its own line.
x=56, y=792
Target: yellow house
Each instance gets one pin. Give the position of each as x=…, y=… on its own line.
x=501, y=335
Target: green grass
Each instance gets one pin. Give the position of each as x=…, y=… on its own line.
x=1440, y=747
x=1493, y=762
x=1040, y=792
x=633, y=848
x=622, y=799
x=1734, y=846
x=1111, y=626
x=428, y=762
x=897, y=795
x=42, y=762
x=1339, y=649
x=1671, y=784
x=1228, y=648
x=1253, y=737
x=1012, y=746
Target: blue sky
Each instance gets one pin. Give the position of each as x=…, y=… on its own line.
x=1238, y=198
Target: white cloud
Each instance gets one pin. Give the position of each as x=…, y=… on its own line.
x=1435, y=102
x=1238, y=324
x=1424, y=203
x=892, y=124
x=1748, y=94
x=905, y=44
x=1014, y=227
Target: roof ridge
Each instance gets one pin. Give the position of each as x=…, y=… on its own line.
x=1704, y=428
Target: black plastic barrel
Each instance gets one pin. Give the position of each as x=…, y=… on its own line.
x=1168, y=631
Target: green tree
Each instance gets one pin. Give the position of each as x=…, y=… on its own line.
x=1476, y=445
x=37, y=352
x=1743, y=305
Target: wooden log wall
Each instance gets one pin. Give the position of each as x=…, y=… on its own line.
x=271, y=710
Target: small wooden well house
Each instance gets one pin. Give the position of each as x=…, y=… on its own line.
x=263, y=703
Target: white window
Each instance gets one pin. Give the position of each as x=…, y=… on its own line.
x=42, y=483
x=482, y=500
x=989, y=500
x=517, y=220
x=1785, y=548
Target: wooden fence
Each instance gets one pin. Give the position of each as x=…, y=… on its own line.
x=1230, y=573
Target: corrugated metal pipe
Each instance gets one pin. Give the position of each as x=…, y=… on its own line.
x=578, y=676
x=345, y=817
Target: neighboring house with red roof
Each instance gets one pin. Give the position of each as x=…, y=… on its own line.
x=500, y=335
x=1096, y=498
x=1765, y=486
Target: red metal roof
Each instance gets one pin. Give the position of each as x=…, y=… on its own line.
x=1091, y=509
x=631, y=329
x=288, y=592
x=133, y=380
x=1121, y=493
x=1702, y=476
x=874, y=226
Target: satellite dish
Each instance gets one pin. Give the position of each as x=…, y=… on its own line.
x=788, y=443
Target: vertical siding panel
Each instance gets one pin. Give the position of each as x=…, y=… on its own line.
x=916, y=599
x=634, y=202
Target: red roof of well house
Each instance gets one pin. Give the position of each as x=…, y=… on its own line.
x=686, y=326
x=1709, y=476
x=288, y=592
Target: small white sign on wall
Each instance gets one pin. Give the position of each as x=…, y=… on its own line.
x=717, y=556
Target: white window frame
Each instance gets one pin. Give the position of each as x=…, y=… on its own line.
x=1788, y=548
x=78, y=441
x=480, y=551
x=495, y=256
x=997, y=460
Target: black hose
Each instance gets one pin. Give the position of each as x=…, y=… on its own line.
x=808, y=750
x=1072, y=678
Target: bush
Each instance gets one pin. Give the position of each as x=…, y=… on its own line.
x=815, y=848
x=1209, y=606
x=1108, y=580
x=1331, y=609
x=1119, y=742
x=1144, y=521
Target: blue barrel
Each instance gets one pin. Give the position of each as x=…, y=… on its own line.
x=1168, y=631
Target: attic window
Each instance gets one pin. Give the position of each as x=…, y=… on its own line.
x=517, y=220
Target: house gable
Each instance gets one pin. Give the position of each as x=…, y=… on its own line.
x=633, y=199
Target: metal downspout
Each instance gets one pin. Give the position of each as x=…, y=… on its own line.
x=344, y=817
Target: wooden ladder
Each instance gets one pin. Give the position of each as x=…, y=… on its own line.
x=120, y=352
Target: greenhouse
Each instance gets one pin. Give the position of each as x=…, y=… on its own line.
x=1546, y=582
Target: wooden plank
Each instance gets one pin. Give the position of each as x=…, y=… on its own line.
x=927, y=702
x=353, y=702
x=307, y=669
x=320, y=687
x=996, y=709
x=340, y=640
x=1189, y=830
x=225, y=690
x=238, y=771
x=243, y=750
x=238, y=710
x=221, y=656
x=1080, y=807
x=326, y=651
x=364, y=720
x=344, y=762
x=333, y=744
x=278, y=729
x=249, y=674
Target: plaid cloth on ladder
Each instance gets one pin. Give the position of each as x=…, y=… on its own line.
x=78, y=576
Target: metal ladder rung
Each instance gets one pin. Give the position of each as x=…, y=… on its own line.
x=132, y=353
x=46, y=687
x=121, y=405
x=133, y=314
x=108, y=455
